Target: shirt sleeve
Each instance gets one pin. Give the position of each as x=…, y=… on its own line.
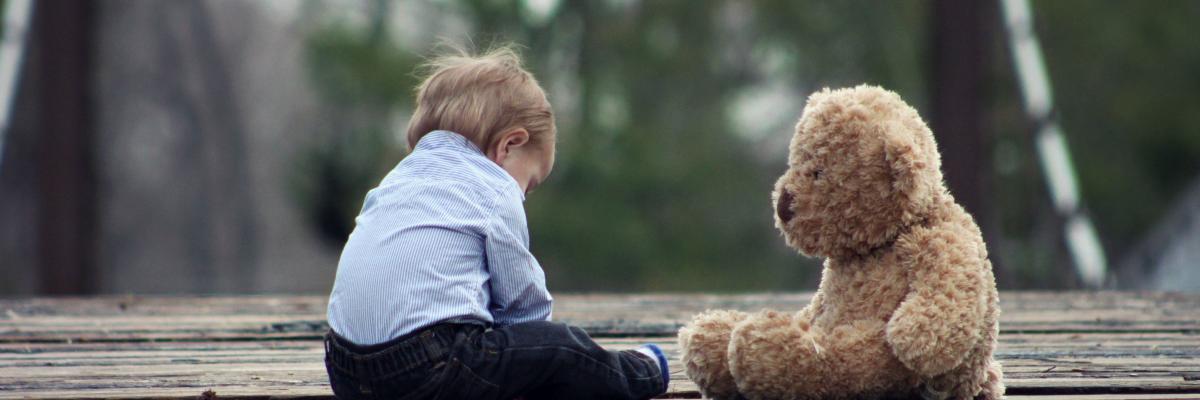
x=518, y=284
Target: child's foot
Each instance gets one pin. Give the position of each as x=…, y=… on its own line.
x=654, y=353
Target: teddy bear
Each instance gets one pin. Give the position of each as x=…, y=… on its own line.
x=907, y=304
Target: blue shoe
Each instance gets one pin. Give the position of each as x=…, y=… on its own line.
x=662, y=362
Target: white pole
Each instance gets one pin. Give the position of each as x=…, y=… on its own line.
x=12, y=47
x=1082, y=240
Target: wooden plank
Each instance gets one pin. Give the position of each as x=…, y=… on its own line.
x=274, y=318
x=44, y=369
x=1137, y=345
x=1154, y=303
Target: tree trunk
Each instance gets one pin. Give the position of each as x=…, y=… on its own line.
x=66, y=220
x=961, y=40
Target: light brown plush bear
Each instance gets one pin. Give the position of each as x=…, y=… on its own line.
x=907, y=303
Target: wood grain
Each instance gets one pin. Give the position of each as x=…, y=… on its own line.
x=1081, y=345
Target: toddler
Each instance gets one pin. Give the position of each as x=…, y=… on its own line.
x=437, y=294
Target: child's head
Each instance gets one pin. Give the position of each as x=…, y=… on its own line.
x=494, y=102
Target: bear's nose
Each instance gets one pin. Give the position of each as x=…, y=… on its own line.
x=783, y=206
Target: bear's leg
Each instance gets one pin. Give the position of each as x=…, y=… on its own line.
x=980, y=378
x=776, y=356
x=703, y=343
x=993, y=387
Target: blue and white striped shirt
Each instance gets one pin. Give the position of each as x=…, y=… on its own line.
x=442, y=237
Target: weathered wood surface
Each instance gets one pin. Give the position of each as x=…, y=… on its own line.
x=1078, y=345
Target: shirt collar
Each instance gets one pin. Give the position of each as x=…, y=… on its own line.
x=446, y=139
x=451, y=140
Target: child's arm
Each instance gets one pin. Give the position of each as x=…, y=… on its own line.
x=518, y=284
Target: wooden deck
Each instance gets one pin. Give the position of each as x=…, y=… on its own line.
x=1052, y=345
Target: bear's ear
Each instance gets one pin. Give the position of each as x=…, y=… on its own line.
x=908, y=167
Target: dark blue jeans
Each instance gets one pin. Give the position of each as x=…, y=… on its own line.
x=535, y=360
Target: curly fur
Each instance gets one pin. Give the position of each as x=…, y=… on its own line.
x=907, y=305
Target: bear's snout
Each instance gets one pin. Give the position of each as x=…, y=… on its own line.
x=783, y=206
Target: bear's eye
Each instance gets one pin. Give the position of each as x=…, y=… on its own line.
x=816, y=173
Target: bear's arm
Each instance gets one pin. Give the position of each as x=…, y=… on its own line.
x=807, y=315
x=938, y=322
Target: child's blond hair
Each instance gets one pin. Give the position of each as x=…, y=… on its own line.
x=480, y=97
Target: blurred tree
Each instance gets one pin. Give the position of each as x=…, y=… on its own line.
x=364, y=78
x=960, y=42
x=657, y=188
x=653, y=191
x=1123, y=78
x=66, y=178
x=1128, y=99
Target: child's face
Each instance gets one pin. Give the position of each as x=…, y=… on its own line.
x=530, y=163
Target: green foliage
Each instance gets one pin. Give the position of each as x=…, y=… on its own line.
x=1126, y=80
x=651, y=191
x=656, y=190
x=350, y=66
x=364, y=78
x=1123, y=78
x=333, y=178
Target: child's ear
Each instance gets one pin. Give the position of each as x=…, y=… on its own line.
x=508, y=141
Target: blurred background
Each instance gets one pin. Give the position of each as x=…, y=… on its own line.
x=226, y=146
